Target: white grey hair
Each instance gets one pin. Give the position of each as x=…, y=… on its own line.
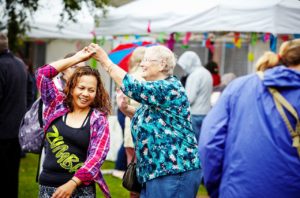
x=165, y=54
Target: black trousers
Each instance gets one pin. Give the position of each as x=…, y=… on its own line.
x=9, y=167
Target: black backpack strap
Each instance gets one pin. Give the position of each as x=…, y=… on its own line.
x=40, y=118
x=40, y=113
x=38, y=168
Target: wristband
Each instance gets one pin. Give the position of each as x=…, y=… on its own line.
x=74, y=182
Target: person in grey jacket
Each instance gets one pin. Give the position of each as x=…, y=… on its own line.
x=198, y=87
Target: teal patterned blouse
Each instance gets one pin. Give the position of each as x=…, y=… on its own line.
x=161, y=127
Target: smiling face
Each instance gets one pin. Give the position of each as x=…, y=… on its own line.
x=158, y=63
x=151, y=65
x=84, y=92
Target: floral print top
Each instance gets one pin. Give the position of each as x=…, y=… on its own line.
x=164, y=139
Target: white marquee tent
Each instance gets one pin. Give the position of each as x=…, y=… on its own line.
x=44, y=22
x=275, y=16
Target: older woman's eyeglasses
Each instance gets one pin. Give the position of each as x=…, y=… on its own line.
x=149, y=60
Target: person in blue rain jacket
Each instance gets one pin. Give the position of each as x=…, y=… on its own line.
x=245, y=147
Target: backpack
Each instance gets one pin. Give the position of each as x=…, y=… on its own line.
x=31, y=133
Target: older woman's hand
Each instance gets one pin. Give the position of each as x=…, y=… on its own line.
x=99, y=54
x=115, y=72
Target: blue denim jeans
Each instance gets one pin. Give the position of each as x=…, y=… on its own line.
x=121, y=161
x=196, y=124
x=182, y=185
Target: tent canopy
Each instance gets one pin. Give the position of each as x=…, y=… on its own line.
x=44, y=22
x=274, y=16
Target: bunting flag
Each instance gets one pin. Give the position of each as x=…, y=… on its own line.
x=126, y=37
x=296, y=36
x=149, y=27
x=209, y=45
x=239, y=43
x=160, y=38
x=171, y=41
x=273, y=43
x=250, y=56
x=137, y=37
x=266, y=37
x=177, y=37
x=237, y=40
x=205, y=36
x=187, y=38
x=236, y=37
x=253, y=38
x=285, y=37
x=93, y=33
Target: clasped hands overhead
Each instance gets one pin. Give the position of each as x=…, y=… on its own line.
x=93, y=51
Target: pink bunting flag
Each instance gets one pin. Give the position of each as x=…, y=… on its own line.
x=149, y=27
x=187, y=38
x=267, y=37
x=93, y=33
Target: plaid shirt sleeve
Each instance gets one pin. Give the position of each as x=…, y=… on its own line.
x=45, y=84
x=98, y=149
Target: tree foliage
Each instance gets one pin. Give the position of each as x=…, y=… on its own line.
x=14, y=14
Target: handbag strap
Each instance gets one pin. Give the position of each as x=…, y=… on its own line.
x=132, y=160
x=281, y=103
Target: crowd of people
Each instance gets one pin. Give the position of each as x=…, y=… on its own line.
x=234, y=134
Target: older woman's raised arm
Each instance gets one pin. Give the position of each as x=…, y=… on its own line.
x=151, y=92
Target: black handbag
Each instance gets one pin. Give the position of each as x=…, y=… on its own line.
x=130, y=181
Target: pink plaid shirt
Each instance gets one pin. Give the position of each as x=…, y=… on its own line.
x=99, y=139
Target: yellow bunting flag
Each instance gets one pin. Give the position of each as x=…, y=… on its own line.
x=250, y=57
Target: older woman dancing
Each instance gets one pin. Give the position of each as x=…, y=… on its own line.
x=165, y=144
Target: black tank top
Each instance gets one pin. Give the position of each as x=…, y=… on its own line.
x=66, y=150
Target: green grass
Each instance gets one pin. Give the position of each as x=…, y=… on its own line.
x=28, y=188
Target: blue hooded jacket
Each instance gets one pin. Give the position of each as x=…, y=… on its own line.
x=245, y=147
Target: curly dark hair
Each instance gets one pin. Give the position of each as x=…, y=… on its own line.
x=102, y=100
